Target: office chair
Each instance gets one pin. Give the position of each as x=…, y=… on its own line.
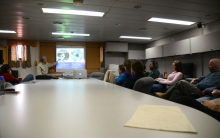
x=144, y=84
x=97, y=75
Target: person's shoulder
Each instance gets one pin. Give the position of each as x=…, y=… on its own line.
x=6, y=74
x=179, y=73
x=157, y=71
x=123, y=74
x=39, y=64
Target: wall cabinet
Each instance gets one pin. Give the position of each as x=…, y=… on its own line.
x=116, y=47
x=205, y=43
x=136, y=54
x=177, y=48
x=154, y=52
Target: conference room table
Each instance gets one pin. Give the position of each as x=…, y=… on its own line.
x=86, y=108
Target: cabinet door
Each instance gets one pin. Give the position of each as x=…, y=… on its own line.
x=205, y=43
x=122, y=47
x=111, y=48
x=177, y=48
x=116, y=47
x=136, y=54
x=154, y=52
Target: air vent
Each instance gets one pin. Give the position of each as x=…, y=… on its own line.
x=57, y=23
x=40, y=4
x=26, y=18
x=142, y=29
x=137, y=6
x=60, y=38
x=78, y=2
x=117, y=24
x=208, y=15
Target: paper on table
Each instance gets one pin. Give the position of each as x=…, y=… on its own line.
x=166, y=118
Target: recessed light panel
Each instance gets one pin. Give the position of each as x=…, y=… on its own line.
x=7, y=31
x=171, y=21
x=135, y=37
x=74, y=12
x=75, y=34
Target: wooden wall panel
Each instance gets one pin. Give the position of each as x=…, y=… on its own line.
x=49, y=49
x=19, y=42
x=71, y=43
x=5, y=54
x=93, y=59
x=93, y=63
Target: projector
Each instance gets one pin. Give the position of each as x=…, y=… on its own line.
x=68, y=75
x=78, y=2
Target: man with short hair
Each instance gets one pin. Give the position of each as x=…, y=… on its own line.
x=155, y=73
x=183, y=88
x=43, y=66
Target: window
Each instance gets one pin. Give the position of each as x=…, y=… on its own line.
x=19, y=51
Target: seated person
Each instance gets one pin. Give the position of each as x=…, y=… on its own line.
x=137, y=70
x=171, y=80
x=210, y=94
x=211, y=108
x=124, y=75
x=6, y=73
x=155, y=73
x=183, y=88
x=127, y=66
x=43, y=66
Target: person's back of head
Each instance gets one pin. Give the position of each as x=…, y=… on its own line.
x=5, y=68
x=179, y=67
x=127, y=65
x=138, y=68
x=121, y=68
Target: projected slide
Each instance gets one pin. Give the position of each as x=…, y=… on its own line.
x=69, y=58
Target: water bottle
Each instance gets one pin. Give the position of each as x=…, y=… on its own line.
x=2, y=87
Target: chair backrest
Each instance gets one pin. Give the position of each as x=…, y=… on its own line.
x=144, y=84
x=97, y=75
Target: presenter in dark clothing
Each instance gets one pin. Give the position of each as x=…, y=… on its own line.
x=137, y=70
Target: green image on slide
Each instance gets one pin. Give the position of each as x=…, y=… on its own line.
x=76, y=55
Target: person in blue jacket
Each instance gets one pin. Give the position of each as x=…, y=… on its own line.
x=124, y=75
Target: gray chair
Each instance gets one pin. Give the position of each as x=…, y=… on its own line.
x=97, y=75
x=144, y=84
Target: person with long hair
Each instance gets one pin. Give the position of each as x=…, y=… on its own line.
x=161, y=85
x=137, y=70
x=6, y=73
x=127, y=65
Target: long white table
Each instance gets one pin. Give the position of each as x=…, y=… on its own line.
x=86, y=109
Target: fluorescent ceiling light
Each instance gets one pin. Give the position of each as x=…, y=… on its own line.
x=172, y=21
x=55, y=33
x=7, y=31
x=74, y=12
x=135, y=37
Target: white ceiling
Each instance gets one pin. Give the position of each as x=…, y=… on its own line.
x=40, y=25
